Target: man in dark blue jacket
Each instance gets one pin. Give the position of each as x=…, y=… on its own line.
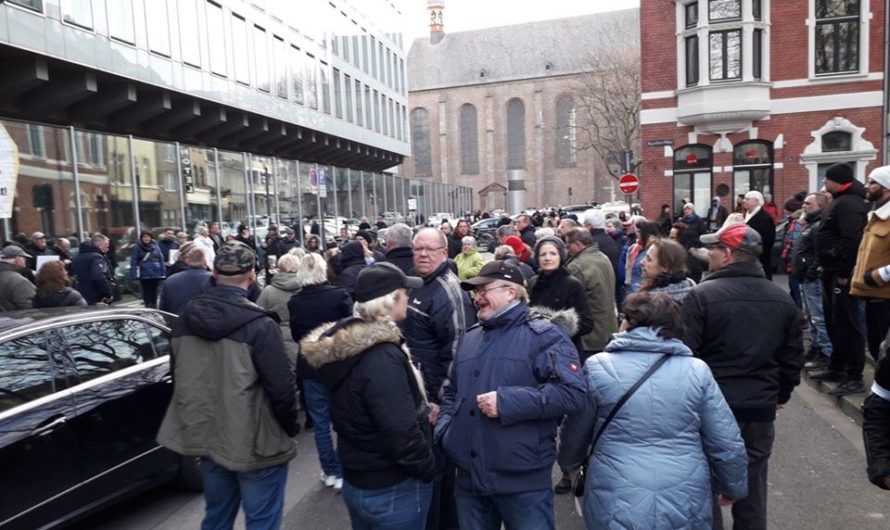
x=179, y=289
x=93, y=274
x=513, y=377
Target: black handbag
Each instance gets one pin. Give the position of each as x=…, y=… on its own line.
x=578, y=483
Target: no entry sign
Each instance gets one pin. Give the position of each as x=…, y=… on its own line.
x=628, y=184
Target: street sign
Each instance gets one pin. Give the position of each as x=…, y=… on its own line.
x=628, y=184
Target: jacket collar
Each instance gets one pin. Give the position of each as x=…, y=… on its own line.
x=506, y=316
x=325, y=345
x=737, y=270
x=748, y=216
x=646, y=339
x=882, y=213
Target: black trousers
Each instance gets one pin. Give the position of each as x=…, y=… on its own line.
x=845, y=327
x=150, y=292
x=750, y=513
x=877, y=323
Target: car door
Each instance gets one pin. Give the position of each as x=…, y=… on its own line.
x=38, y=460
x=123, y=388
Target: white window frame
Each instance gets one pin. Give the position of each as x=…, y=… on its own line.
x=862, y=151
x=864, y=31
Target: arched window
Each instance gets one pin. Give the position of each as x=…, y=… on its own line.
x=565, y=132
x=420, y=142
x=837, y=141
x=469, y=140
x=515, y=134
x=752, y=165
x=693, y=165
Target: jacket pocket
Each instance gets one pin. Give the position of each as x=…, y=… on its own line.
x=270, y=439
x=514, y=448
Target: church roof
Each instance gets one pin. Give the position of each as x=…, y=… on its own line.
x=522, y=51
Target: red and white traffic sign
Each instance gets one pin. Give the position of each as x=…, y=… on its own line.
x=628, y=184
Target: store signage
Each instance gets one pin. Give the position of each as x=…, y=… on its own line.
x=9, y=172
x=659, y=143
x=185, y=161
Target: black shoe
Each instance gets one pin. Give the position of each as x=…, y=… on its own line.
x=812, y=354
x=308, y=425
x=818, y=363
x=830, y=375
x=564, y=485
x=850, y=386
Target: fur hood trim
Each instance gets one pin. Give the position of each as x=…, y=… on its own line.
x=347, y=342
x=567, y=319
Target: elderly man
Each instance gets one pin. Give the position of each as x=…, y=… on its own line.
x=16, y=291
x=398, y=247
x=756, y=371
x=526, y=230
x=37, y=247
x=180, y=288
x=564, y=226
x=758, y=219
x=595, y=223
x=63, y=249
x=805, y=268
x=514, y=376
x=93, y=272
x=594, y=270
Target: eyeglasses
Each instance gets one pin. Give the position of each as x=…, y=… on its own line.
x=426, y=250
x=483, y=292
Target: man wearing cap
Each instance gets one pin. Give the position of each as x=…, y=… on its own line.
x=761, y=221
x=837, y=243
x=756, y=371
x=867, y=281
x=513, y=377
x=16, y=291
x=37, y=247
x=234, y=397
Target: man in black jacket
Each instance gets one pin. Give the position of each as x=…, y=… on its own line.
x=805, y=268
x=758, y=219
x=526, y=230
x=837, y=243
x=756, y=371
x=398, y=247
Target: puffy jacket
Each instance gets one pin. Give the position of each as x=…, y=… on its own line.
x=534, y=368
x=840, y=232
x=310, y=307
x=16, y=291
x=804, y=265
x=874, y=253
x=559, y=291
x=147, y=262
x=748, y=331
x=593, y=269
x=377, y=403
x=653, y=464
x=439, y=313
x=93, y=274
x=403, y=258
x=352, y=261
x=61, y=298
x=675, y=286
x=469, y=264
x=179, y=289
x=275, y=298
x=234, y=392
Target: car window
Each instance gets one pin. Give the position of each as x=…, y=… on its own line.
x=99, y=348
x=27, y=372
x=161, y=340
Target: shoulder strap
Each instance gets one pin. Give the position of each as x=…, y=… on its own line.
x=652, y=369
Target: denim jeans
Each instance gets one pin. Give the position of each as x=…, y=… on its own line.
x=317, y=405
x=812, y=298
x=400, y=507
x=531, y=510
x=260, y=492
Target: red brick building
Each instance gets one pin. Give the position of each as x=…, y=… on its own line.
x=741, y=95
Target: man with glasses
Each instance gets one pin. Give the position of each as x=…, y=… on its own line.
x=439, y=314
x=513, y=377
x=746, y=329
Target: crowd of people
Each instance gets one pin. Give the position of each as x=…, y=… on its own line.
x=656, y=352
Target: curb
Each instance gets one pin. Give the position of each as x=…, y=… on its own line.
x=850, y=405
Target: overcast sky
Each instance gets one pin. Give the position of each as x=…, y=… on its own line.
x=463, y=15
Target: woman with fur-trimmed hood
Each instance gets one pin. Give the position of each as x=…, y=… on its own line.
x=377, y=403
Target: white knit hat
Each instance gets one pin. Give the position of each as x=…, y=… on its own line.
x=881, y=175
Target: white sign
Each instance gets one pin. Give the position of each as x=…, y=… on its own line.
x=174, y=252
x=43, y=260
x=9, y=172
x=412, y=205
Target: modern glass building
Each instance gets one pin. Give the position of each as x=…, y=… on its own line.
x=153, y=113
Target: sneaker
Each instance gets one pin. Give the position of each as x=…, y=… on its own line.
x=818, y=363
x=850, y=386
x=338, y=484
x=829, y=375
x=329, y=480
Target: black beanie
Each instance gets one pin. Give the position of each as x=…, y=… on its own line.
x=840, y=173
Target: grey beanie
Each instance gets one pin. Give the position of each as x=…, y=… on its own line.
x=558, y=243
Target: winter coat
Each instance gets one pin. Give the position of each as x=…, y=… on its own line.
x=839, y=234
x=748, y=331
x=874, y=253
x=764, y=225
x=403, y=258
x=455, y=247
x=61, y=298
x=166, y=245
x=527, y=235
x=608, y=246
x=275, y=298
x=636, y=271
x=621, y=276
x=16, y=292
x=535, y=369
x=377, y=402
x=804, y=264
x=677, y=287
x=595, y=272
x=93, y=274
x=33, y=251
x=469, y=264
x=876, y=423
x=439, y=314
x=147, y=262
x=310, y=307
x=178, y=290
x=234, y=391
x=652, y=467
x=352, y=261
x=560, y=291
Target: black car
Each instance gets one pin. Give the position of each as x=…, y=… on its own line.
x=484, y=231
x=82, y=395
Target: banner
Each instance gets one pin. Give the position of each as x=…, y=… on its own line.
x=317, y=183
x=9, y=172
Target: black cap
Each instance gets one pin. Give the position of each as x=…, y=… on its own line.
x=841, y=173
x=381, y=279
x=495, y=270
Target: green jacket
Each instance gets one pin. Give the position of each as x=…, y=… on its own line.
x=469, y=265
x=595, y=272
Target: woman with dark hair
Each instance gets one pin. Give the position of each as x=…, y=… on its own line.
x=54, y=287
x=351, y=262
x=664, y=270
x=147, y=265
x=672, y=448
x=647, y=232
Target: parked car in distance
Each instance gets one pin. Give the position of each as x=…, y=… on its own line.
x=82, y=395
x=437, y=218
x=484, y=231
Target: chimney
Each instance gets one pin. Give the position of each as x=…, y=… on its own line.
x=437, y=27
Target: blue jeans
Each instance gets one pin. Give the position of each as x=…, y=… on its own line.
x=532, y=510
x=812, y=298
x=317, y=404
x=260, y=492
x=400, y=507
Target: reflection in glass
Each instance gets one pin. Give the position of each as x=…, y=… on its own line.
x=837, y=141
x=836, y=8
x=311, y=75
x=100, y=348
x=725, y=54
x=156, y=176
x=280, y=67
x=78, y=12
x=724, y=9
x=158, y=26
x=120, y=20
x=261, y=59
x=297, y=70
x=200, y=201
x=233, y=193
x=216, y=39
x=189, y=36
x=239, y=48
x=26, y=372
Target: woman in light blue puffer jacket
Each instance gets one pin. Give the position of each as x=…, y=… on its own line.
x=652, y=467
